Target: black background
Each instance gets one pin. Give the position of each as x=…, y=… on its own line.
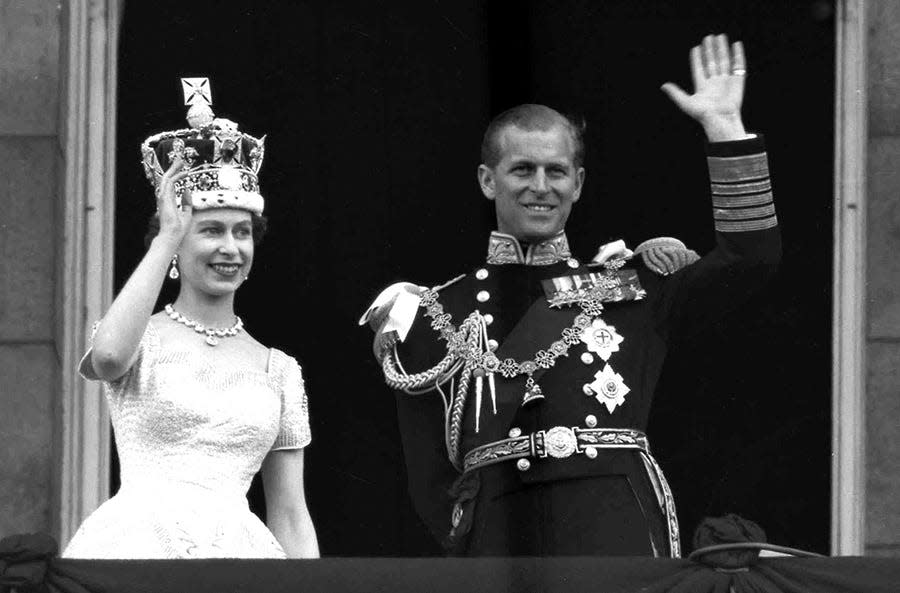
x=374, y=113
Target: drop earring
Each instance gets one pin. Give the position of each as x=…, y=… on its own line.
x=173, y=270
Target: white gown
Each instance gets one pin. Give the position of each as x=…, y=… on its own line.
x=192, y=427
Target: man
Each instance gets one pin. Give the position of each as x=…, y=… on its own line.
x=524, y=386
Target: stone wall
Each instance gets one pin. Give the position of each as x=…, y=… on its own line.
x=29, y=193
x=883, y=282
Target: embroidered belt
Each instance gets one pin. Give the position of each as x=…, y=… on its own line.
x=561, y=442
x=558, y=442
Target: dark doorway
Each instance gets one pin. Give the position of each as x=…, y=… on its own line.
x=374, y=113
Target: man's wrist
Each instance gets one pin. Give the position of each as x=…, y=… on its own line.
x=725, y=128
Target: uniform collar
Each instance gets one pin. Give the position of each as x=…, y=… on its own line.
x=505, y=249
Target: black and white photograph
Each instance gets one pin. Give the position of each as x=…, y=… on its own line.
x=535, y=295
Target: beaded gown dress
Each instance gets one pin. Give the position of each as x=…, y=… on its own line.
x=192, y=427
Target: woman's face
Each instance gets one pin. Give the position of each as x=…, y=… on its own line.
x=216, y=253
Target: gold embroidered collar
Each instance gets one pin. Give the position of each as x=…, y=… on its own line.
x=505, y=249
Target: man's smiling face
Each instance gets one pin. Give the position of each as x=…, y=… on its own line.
x=535, y=182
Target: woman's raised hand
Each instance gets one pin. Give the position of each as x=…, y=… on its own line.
x=174, y=213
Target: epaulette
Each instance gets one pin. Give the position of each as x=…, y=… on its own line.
x=657, y=242
x=647, y=249
x=448, y=283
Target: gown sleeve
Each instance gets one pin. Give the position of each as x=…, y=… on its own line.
x=294, y=432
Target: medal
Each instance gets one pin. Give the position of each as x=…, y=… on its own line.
x=608, y=286
x=609, y=388
x=601, y=339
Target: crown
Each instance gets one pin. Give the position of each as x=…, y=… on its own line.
x=222, y=162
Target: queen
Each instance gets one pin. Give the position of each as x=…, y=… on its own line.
x=198, y=406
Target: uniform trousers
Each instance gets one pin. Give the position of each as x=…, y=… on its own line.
x=605, y=515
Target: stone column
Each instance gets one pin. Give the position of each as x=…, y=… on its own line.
x=85, y=251
x=883, y=282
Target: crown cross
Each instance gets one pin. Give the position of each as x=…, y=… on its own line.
x=220, y=163
x=196, y=90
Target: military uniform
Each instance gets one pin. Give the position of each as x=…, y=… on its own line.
x=524, y=387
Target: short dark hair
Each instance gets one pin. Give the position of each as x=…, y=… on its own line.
x=530, y=116
x=259, y=225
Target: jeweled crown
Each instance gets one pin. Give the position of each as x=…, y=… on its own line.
x=222, y=162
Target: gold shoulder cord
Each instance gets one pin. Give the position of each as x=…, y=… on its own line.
x=465, y=349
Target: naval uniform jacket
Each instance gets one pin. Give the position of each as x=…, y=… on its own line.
x=611, y=503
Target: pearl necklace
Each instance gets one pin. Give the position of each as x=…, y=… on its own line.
x=212, y=335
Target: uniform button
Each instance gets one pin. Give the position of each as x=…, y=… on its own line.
x=515, y=432
x=591, y=452
x=492, y=344
x=587, y=358
x=489, y=319
x=523, y=465
x=572, y=263
x=587, y=389
x=483, y=296
x=481, y=274
x=590, y=420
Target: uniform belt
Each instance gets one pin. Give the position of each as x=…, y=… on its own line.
x=558, y=442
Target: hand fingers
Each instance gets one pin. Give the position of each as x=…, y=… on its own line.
x=175, y=167
x=723, y=57
x=678, y=96
x=166, y=180
x=709, y=56
x=166, y=192
x=739, y=60
x=187, y=203
x=697, y=72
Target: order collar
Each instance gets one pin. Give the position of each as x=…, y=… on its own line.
x=505, y=249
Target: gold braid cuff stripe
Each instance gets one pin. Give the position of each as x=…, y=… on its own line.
x=738, y=168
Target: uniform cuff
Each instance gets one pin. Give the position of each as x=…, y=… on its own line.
x=752, y=145
x=740, y=184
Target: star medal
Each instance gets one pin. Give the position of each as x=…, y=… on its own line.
x=601, y=339
x=609, y=388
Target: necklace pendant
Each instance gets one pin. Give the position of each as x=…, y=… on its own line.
x=532, y=394
x=212, y=340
